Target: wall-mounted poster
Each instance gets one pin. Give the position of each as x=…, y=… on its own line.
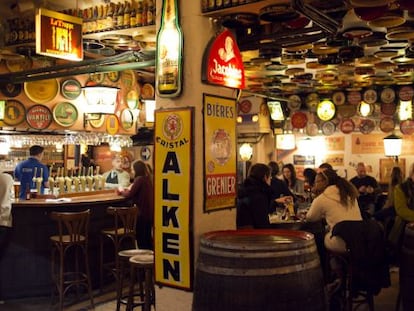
x=173, y=197
x=220, y=156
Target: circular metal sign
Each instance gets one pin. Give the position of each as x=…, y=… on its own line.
x=39, y=117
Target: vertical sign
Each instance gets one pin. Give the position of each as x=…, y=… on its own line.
x=173, y=189
x=219, y=152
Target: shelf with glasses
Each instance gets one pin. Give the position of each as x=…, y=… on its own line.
x=140, y=34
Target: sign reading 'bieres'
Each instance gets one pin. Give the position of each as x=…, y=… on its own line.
x=58, y=35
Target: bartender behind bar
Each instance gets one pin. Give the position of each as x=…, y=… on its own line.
x=116, y=177
x=31, y=169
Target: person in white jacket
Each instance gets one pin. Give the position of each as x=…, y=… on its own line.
x=336, y=201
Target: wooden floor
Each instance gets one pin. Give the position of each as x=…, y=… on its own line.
x=385, y=301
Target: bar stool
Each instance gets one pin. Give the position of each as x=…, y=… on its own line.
x=122, y=235
x=124, y=257
x=72, y=239
x=142, y=265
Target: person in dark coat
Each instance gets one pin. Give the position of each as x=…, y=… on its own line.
x=254, y=199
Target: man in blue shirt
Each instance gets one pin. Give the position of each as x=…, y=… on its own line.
x=26, y=170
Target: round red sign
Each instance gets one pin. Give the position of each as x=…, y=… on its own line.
x=39, y=117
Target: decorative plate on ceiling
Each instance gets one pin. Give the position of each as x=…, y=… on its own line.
x=407, y=127
x=387, y=124
x=370, y=96
x=347, y=126
x=406, y=93
x=387, y=95
x=366, y=126
x=326, y=110
x=328, y=128
x=338, y=98
x=388, y=108
x=294, y=102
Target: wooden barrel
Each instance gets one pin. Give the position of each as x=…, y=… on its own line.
x=249, y=270
x=407, y=269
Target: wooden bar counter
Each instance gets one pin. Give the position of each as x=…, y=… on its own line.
x=25, y=265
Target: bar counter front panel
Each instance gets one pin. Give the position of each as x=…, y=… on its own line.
x=25, y=267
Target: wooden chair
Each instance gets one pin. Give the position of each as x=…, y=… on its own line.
x=71, y=240
x=122, y=235
x=142, y=267
x=365, y=270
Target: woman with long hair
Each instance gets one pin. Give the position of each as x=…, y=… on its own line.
x=141, y=193
x=296, y=186
x=336, y=201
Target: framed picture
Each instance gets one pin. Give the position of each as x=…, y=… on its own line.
x=386, y=165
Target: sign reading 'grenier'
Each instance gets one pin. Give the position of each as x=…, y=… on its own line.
x=223, y=64
x=58, y=35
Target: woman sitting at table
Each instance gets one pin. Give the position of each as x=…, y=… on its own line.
x=336, y=201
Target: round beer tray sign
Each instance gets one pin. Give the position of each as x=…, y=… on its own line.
x=245, y=106
x=65, y=114
x=406, y=93
x=387, y=95
x=354, y=97
x=113, y=76
x=388, y=108
x=387, y=124
x=71, y=89
x=370, y=96
x=42, y=91
x=112, y=124
x=338, y=98
x=14, y=112
x=132, y=99
x=366, y=126
x=39, y=117
x=127, y=119
x=347, y=126
x=328, y=128
x=294, y=102
x=299, y=120
x=407, y=127
x=96, y=120
x=10, y=89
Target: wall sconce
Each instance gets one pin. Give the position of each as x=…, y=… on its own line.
x=405, y=110
x=365, y=109
x=285, y=142
x=100, y=100
x=246, y=152
x=149, y=111
x=392, y=146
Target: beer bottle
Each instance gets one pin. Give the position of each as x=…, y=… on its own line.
x=127, y=15
x=139, y=14
x=109, y=25
x=144, y=13
x=133, y=16
x=115, y=16
x=120, y=20
x=169, y=52
x=151, y=13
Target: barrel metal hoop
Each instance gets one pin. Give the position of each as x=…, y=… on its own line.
x=259, y=272
x=268, y=254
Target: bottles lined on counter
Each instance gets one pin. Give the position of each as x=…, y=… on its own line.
x=112, y=16
x=212, y=5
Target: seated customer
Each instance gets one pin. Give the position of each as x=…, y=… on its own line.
x=254, y=199
x=116, y=177
x=280, y=191
x=336, y=201
x=368, y=190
